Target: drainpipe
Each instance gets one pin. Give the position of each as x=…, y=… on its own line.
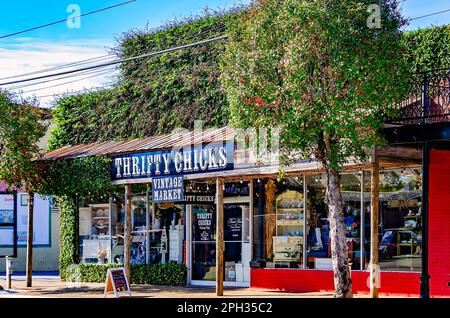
x=425, y=277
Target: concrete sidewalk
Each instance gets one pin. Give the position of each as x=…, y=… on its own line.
x=53, y=287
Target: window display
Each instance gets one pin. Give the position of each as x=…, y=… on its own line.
x=157, y=230
x=280, y=218
x=279, y=222
x=318, y=251
x=167, y=234
x=400, y=220
x=97, y=225
x=288, y=241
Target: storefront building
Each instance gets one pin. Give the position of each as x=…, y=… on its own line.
x=275, y=232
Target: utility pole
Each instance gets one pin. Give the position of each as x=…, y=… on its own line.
x=29, y=268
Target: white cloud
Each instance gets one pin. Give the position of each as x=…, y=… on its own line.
x=25, y=55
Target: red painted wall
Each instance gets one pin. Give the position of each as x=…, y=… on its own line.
x=295, y=280
x=439, y=223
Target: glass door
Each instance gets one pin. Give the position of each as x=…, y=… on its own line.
x=237, y=248
x=203, y=243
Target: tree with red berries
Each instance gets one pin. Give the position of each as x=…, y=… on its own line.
x=325, y=75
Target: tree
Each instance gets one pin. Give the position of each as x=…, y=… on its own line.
x=315, y=70
x=21, y=129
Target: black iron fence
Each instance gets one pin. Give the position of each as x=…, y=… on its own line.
x=428, y=101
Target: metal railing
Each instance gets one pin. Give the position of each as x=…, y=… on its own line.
x=428, y=101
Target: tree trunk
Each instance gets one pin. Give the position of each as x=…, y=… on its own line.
x=333, y=199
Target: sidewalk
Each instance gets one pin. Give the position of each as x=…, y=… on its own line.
x=53, y=287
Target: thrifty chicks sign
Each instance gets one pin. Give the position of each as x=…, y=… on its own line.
x=173, y=162
x=168, y=189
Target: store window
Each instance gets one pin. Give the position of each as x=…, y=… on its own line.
x=318, y=237
x=400, y=223
x=167, y=233
x=278, y=226
x=352, y=198
x=100, y=230
x=157, y=230
x=279, y=222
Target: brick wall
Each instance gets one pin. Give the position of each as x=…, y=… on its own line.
x=439, y=223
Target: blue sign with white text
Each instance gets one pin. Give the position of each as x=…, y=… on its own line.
x=168, y=189
x=187, y=160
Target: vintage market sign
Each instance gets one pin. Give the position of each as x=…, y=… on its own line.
x=190, y=160
x=168, y=189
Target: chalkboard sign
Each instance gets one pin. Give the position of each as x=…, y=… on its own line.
x=117, y=281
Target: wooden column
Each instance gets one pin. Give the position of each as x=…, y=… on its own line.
x=374, y=217
x=127, y=232
x=29, y=269
x=219, y=238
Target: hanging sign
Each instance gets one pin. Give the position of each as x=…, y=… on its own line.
x=187, y=160
x=168, y=189
x=117, y=282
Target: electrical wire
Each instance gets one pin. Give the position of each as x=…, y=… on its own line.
x=64, y=20
x=429, y=15
x=117, y=61
x=69, y=82
x=218, y=28
x=57, y=79
x=86, y=90
x=62, y=66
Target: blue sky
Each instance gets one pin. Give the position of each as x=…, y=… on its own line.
x=58, y=44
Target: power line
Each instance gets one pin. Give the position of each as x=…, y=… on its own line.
x=69, y=82
x=57, y=79
x=429, y=15
x=217, y=28
x=117, y=61
x=86, y=90
x=64, y=20
x=62, y=66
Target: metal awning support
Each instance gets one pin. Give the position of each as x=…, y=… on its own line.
x=425, y=277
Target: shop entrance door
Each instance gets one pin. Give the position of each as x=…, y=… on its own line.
x=237, y=247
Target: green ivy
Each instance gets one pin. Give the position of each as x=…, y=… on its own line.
x=153, y=95
x=428, y=49
x=77, y=176
x=69, y=239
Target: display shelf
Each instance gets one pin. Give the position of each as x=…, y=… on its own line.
x=288, y=242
